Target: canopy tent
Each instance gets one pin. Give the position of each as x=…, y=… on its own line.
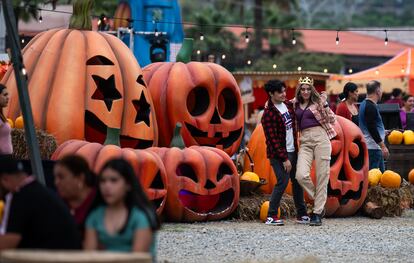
x=397, y=72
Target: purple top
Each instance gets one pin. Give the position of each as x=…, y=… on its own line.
x=305, y=119
x=403, y=117
x=5, y=138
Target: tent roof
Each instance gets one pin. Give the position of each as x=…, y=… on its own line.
x=398, y=71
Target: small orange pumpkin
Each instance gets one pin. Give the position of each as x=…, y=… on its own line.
x=264, y=209
x=411, y=176
x=395, y=137
x=390, y=179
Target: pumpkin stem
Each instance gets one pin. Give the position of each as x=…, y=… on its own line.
x=177, y=140
x=112, y=136
x=81, y=17
x=184, y=55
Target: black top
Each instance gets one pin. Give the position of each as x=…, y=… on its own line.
x=371, y=112
x=42, y=219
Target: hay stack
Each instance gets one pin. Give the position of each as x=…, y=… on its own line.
x=249, y=207
x=47, y=144
x=392, y=201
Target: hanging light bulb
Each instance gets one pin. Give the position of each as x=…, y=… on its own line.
x=22, y=39
x=246, y=37
x=325, y=70
x=223, y=56
x=337, y=37
x=249, y=62
x=156, y=33
x=386, y=38
x=201, y=36
x=40, y=20
x=377, y=72
x=299, y=68
x=198, y=52
x=293, y=37
x=274, y=66
x=350, y=70
x=402, y=70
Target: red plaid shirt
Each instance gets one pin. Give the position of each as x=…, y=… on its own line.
x=275, y=131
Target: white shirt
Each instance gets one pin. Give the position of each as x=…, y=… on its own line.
x=290, y=145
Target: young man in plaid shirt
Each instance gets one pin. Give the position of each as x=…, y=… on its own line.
x=279, y=125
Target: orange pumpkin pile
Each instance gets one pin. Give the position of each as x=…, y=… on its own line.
x=398, y=137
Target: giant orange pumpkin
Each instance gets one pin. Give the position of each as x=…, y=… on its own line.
x=348, y=180
x=204, y=97
x=122, y=14
x=203, y=183
x=80, y=83
x=147, y=165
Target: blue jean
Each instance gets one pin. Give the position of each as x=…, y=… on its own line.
x=282, y=181
x=376, y=160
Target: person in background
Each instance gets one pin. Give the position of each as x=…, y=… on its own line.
x=75, y=184
x=408, y=107
x=35, y=217
x=396, y=97
x=348, y=108
x=6, y=146
x=371, y=125
x=315, y=121
x=123, y=219
x=279, y=125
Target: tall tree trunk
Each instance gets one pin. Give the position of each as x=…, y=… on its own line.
x=258, y=24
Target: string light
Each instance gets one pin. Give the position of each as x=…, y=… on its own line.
x=299, y=68
x=293, y=37
x=386, y=38
x=247, y=36
x=402, y=70
x=274, y=66
x=40, y=20
x=350, y=71
x=129, y=24
x=223, y=56
x=337, y=37
x=249, y=62
x=198, y=52
x=377, y=72
x=325, y=70
x=22, y=39
x=24, y=71
x=201, y=36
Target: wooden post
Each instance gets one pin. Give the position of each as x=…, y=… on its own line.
x=21, y=81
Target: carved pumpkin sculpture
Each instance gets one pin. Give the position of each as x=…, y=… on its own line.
x=204, y=97
x=147, y=165
x=81, y=82
x=348, y=180
x=203, y=183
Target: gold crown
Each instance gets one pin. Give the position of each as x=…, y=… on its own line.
x=306, y=80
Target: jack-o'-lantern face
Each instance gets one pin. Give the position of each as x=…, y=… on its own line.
x=202, y=183
x=204, y=97
x=82, y=82
x=348, y=181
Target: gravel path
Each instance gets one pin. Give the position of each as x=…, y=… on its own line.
x=355, y=239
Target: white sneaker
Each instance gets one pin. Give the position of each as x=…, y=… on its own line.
x=274, y=221
x=303, y=220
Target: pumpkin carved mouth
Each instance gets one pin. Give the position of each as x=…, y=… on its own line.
x=203, y=139
x=95, y=131
x=207, y=204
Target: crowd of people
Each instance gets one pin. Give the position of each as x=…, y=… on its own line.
x=298, y=132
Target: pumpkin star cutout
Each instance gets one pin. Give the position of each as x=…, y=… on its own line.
x=106, y=90
x=143, y=110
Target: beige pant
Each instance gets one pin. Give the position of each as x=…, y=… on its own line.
x=314, y=145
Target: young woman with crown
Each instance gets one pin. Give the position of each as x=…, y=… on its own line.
x=314, y=121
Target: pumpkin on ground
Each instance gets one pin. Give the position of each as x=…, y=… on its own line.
x=374, y=176
x=395, y=137
x=148, y=167
x=203, y=183
x=81, y=82
x=348, y=180
x=204, y=97
x=264, y=208
x=408, y=137
x=19, y=123
x=390, y=179
x=411, y=176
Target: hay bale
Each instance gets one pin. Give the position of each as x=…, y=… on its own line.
x=47, y=144
x=393, y=201
x=249, y=207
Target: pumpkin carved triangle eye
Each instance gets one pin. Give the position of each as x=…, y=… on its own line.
x=140, y=80
x=143, y=110
x=106, y=90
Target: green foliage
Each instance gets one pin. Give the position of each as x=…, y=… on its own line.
x=291, y=60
